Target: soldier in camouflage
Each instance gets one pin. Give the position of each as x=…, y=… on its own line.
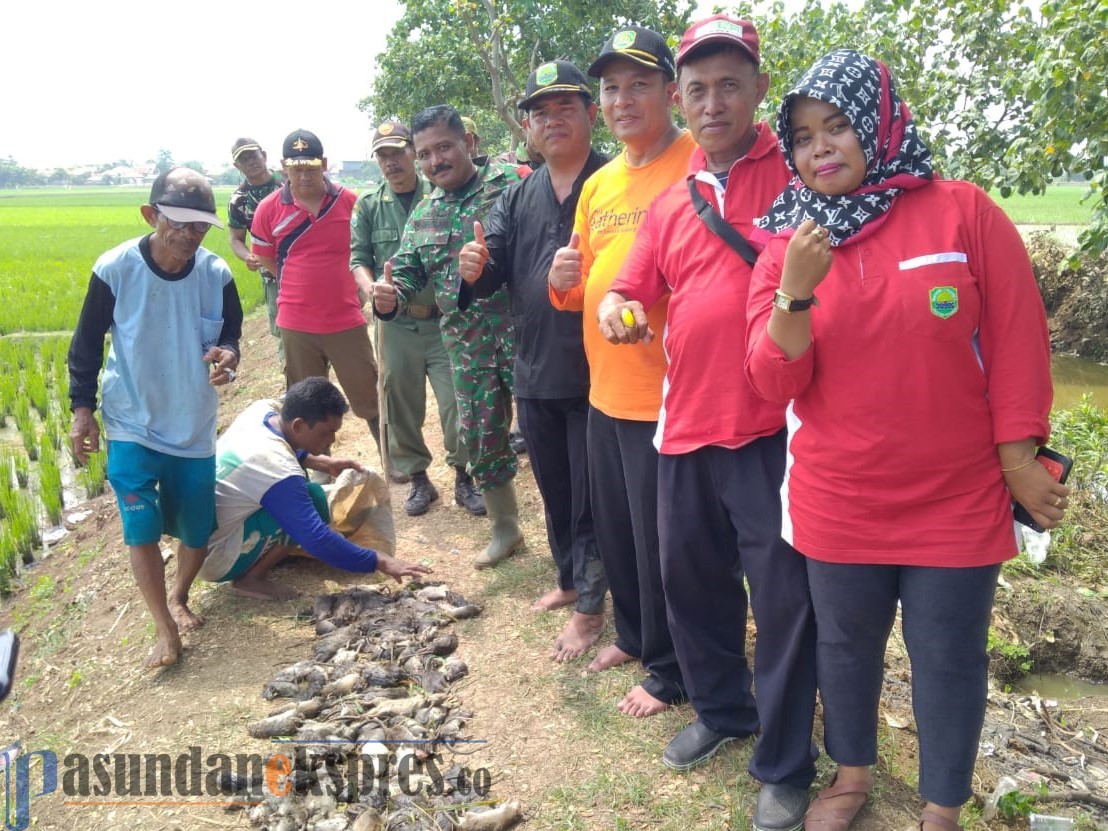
x=477, y=334
x=258, y=182
x=410, y=347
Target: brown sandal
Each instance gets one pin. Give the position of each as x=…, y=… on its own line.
x=939, y=820
x=821, y=816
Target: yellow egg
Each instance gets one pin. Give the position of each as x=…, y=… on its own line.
x=628, y=318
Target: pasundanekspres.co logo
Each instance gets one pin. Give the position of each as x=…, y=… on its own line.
x=191, y=778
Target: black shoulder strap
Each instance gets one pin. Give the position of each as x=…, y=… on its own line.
x=720, y=227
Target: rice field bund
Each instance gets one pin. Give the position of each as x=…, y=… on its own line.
x=49, y=240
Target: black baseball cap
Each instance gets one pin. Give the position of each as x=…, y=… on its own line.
x=184, y=195
x=554, y=77
x=639, y=44
x=302, y=149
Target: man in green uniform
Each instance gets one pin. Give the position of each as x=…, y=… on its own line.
x=477, y=333
x=258, y=182
x=410, y=345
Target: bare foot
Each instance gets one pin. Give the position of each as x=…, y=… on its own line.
x=640, y=704
x=165, y=651
x=555, y=599
x=608, y=657
x=187, y=620
x=263, y=589
x=579, y=635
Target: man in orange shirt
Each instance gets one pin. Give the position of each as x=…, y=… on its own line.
x=636, y=71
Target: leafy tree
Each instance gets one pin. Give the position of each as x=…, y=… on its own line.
x=164, y=161
x=192, y=164
x=14, y=175
x=477, y=54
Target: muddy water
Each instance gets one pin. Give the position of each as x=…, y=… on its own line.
x=1059, y=686
x=1073, y=377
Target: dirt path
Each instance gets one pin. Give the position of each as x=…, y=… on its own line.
x=553, y=737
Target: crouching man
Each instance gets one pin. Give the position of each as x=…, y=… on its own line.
x=265, y=503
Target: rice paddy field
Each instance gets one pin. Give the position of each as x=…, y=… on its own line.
x=49, y=240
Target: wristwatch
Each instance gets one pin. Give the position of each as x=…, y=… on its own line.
x=788, y=303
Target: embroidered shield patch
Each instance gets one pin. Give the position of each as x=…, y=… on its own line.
x=944, y=301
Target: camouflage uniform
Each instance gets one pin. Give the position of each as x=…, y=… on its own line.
x=411, y=342
x=477, y=333
x=240, y=213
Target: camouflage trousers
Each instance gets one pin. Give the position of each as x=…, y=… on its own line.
x=484, y=417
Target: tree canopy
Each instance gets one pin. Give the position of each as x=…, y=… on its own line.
x=1009, y=95
x=477, y=54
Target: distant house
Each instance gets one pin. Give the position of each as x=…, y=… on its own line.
x=351, y=170
x=120, y=175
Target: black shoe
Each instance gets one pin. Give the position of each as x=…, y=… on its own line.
x=692, y=746
x=515, y=440
x=421, y=495
x=467, y=495
x=780, y=807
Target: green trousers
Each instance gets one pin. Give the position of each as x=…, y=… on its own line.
x=270, y=289
x=414, y=354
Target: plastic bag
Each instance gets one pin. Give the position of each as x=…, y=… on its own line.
x=1036, y=544
x=361, y=510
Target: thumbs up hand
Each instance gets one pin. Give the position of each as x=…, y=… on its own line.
x=565, y=271
x=473, y=256
x=384, y=291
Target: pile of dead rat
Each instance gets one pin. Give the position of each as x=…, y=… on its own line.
x=370, y=736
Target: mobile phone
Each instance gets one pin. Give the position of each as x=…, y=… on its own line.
x=1058, y=466
x=9, y=649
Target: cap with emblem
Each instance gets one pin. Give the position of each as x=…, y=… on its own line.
x=244, y=145
x=302, y=149
x=636, y=43
x=554, y=77
x=184, y=195
x=720, y=28
x=390, y=134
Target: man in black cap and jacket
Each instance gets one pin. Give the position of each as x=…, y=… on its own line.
x=516, y=246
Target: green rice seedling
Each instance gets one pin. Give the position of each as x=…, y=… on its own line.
x=7, y=479
x=21, y=521
x=36, y=389
x=50, y=480
x=95, y=471
x=9, y=559
x=28, y=430
x=22, y=468
x=52, y=428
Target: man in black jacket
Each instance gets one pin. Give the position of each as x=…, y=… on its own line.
x=516, y=246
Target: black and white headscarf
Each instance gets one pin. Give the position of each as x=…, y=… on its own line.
x=896, y=158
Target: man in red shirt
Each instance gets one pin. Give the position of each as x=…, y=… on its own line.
x=722, y=448
x=301, y=233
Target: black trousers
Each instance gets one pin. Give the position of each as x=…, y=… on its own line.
x=554, y=431
x=945, y=615
x=719, y=519
x=623, y=483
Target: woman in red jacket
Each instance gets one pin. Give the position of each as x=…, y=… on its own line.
x=920, y=388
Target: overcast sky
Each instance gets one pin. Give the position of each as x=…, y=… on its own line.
x=95, y=82
x=87, y=83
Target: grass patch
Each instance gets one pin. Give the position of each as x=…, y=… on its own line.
x=658, y=800
x=521, y=577
x=1059, y=205
x=1079, y=545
